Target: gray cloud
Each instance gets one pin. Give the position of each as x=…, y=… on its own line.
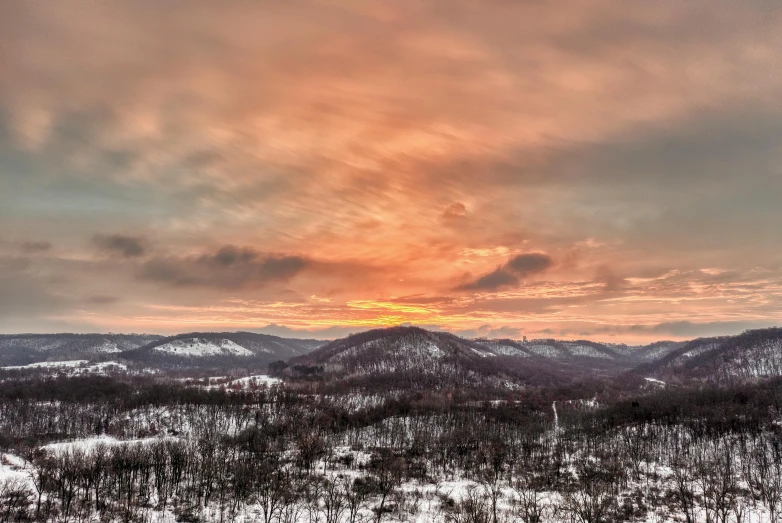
x=228, y=267
x=494, y=280
x=118, y=244
x=510, y=274
x=33, y=247
x=491, y=332
x=485, y=331
x=526, y=264
x=672, y=329
x=101, y=299
x=716, y=328
x=23, y=296
x=707, y=180
x=328, y=333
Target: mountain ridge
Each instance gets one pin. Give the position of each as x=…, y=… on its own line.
x=420, y=357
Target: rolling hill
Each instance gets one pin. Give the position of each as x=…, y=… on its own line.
x=218, y=349
x=24, y=349
x=411, y=357
x=747, y=357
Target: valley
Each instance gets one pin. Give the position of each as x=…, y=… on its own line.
x=397, y=425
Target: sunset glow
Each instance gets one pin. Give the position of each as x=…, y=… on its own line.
x=602, y=170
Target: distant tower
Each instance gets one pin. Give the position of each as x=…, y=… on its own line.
x=525, y=339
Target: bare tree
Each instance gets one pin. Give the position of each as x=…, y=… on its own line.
x=591, y=500
x=763, y=475
x=474, y=507
x=15, y=497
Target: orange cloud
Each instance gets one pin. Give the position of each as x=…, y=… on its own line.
x=344, y=163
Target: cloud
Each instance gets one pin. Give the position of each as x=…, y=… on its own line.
x=526, y=264
x=121, y=245
x=328, y=333
x=491, y=332
x=23, y=296
x=682, y=329
x=611, y=282
x=32, y=247
x=231, y=255
x=422, y=300
x=454, y=212
x=388, y=135
x=228, y=267
x=509, y=275
x=492, y=281
x=688, y=329
x=101, y=299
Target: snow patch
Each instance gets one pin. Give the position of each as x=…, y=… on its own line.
x=49, y=365
x=108, y=347
x=88, y=445
x=507, y=350
x=434, y=351
x=246, y=383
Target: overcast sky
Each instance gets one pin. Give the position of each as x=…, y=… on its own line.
x=605, y=169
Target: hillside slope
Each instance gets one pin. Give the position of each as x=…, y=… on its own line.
x=414, y=358
x=219, y=349
x=24, y=349
x=744, y=358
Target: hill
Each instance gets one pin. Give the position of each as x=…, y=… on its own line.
x=219, y=350
x=25, y=349
x=414, y=358
x=747, y=357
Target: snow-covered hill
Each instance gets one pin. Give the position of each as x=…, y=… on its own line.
x=220, y=349
x=655, y=351
x=406, y=357
x=579, y=349
x=414, y=358
x=202, y=347
x=565, y=358
x=750, y=356
x=23, y=349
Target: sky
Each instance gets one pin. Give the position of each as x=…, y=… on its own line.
x=609, y=170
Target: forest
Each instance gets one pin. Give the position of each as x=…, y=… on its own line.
x=92, y=448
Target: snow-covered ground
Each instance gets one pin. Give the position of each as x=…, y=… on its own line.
x=585, y=350
x=544, y=350
x=88, y=445
x=506, y=350
x=14, y=468
x=49, y=365
x=107, y=347
x=246, y=383
x=74, y=367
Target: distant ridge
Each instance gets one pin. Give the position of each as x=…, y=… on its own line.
x=747, y=357
x=411, y=357
x=219, y=348
x=24, y=349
